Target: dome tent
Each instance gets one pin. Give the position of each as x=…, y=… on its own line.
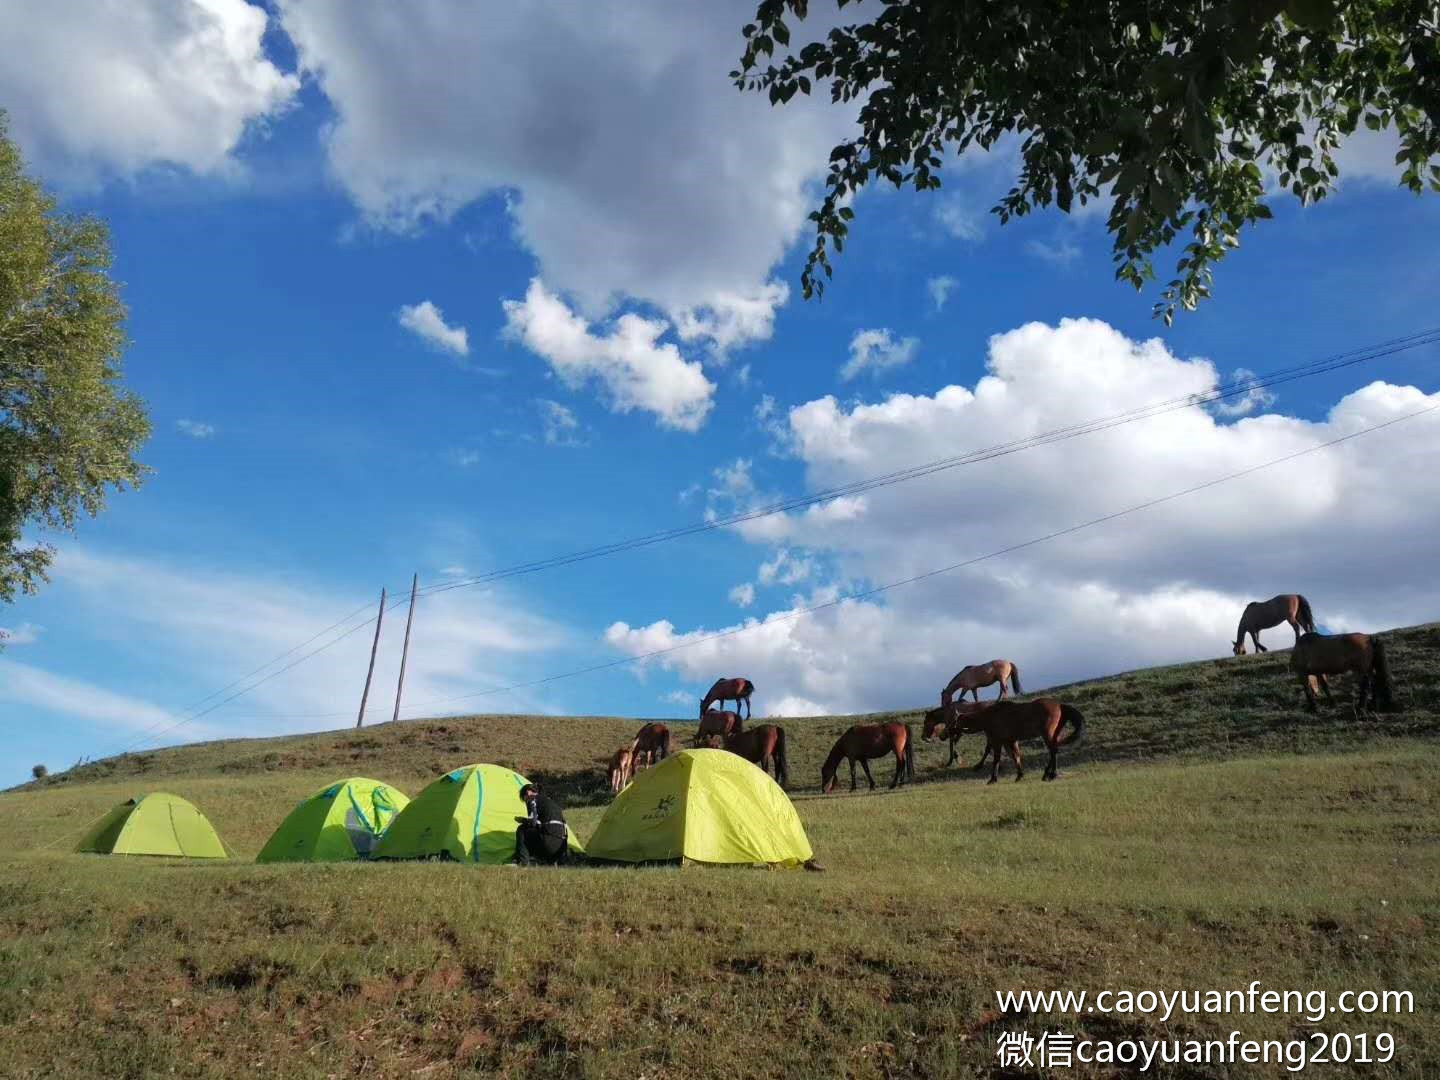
x=706, y=806
x=467, y=815
x=342, y=821
x=154, y=824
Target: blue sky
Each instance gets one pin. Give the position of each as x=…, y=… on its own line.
x=309, y=447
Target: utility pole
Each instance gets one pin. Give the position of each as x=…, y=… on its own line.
x=371, y=672
x=405, y=652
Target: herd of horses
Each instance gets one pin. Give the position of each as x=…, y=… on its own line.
x=1003, y=722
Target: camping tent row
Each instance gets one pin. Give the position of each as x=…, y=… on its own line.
x=704, y=806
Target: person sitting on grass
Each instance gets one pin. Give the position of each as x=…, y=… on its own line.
x=543, y=836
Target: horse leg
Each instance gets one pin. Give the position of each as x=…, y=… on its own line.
x=1296, y=627
x=954, y=757
x=1016, y=757
x=993, y=744
x=1255, y=637
x=899, y=769
x=852, y=774
x=1050, y=769
x=865, y=764
x=1310, y=702
x=1324, y=682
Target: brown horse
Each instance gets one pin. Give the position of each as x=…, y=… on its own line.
x=1005, y=723
x=957, y=721
x=971, y=679
x=737, y=690
x=621, y=769
x=865, y=741
x=1317, y=655
x=651, y=744
x=717, y=722
x=763, y=745
x=1263, y=614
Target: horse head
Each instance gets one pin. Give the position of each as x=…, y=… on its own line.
x=827, y=780
x=935, y=724
x=1239, y=648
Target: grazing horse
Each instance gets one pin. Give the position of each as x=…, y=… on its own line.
x=865, y=741
x=970, y=679
x=958, y=720
x=1263, y=614
x=651, y=744
x=1318, y=655
x=622, y=769
x=737, y=690
x=763, y=745
x=1005, y=723
x=717, y=722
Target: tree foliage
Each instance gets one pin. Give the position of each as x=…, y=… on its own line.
x=1176, y=110
x=68, y=430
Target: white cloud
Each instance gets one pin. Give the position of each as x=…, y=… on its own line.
x=785, y=568
x=24, y=684
x=632, y=166
x=1254, y=397
x=97, y=89
x=24, y=634
x=466, y=458
x=1062, y=252
x=876, y=351
x=561, y=426
x=195, y=429
x=209, y=625
x=1348, y=526
x=426, y=322
x=959, y=218
x=743, y=595
x=939, y=289
x=635, y=369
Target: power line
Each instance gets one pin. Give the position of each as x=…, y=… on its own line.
x=798, y=613
x=1234, y=389
x=1222, y=392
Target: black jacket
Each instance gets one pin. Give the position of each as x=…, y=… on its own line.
x=542, y=810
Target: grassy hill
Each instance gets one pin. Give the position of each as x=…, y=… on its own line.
x=1256, y=842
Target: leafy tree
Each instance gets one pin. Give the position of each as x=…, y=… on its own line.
x=39, y=772
x=68, y=431
x=1173, y=109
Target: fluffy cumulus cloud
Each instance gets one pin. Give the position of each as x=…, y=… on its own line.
x=631, y=166
x=97, y=89
x=635, y=369
x=1347, y=525
x=427, y=322
x=876, y=351
x=743, y=595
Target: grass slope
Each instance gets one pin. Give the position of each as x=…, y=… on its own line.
x=1257, y=843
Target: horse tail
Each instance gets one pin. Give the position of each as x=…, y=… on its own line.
x=1069, y=714
x=1015, y=679
x=909, y=753
x=1380, y=673
x=782, y=768
x=1307, y=620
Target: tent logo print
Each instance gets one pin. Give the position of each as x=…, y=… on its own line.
x=662, y=809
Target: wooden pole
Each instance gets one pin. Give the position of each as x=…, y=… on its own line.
x=371, y=672
x=405, y=652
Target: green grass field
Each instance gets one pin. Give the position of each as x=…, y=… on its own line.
x=1208, y=833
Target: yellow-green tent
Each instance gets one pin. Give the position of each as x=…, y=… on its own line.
x=707, y=806
x=154, y=824
x=341, y=821
x=467, y=815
